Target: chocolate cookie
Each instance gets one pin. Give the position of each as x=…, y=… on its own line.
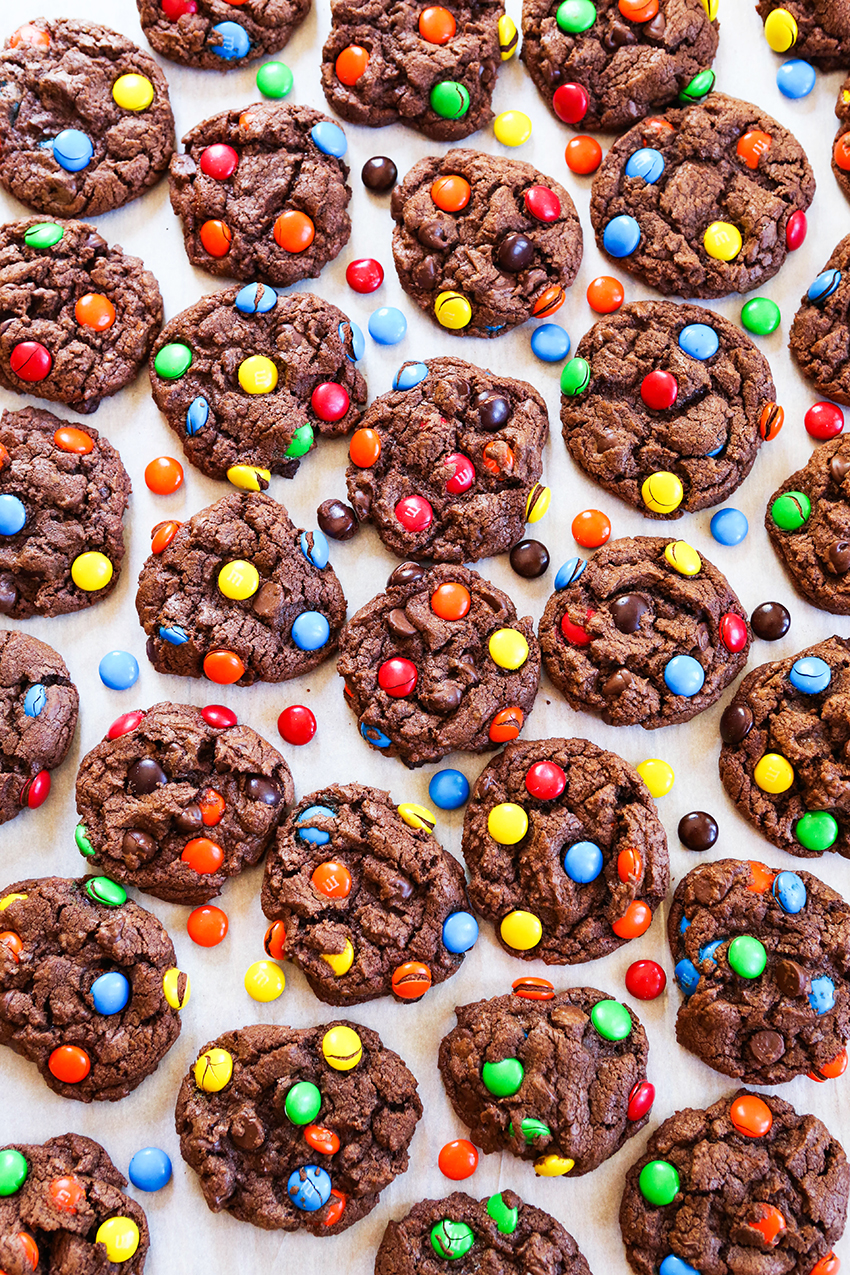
x=818, y=31
x=808, y=522
x=88, y=986
x=501, y=1235
x=370, y=902
x=85, y=120
x=559, y=1079
x=784, y=760
x=246, y=1118
x=746, y=1186
x=607, y=70
x=239, y=594
x=63, y=1209
x=390, y=62
x=177, y=799
x=667, y=415
x=841, y=149
x=483, y=243
x=646, y=633
x=79, y=316
x=699, y=202
x=246, y=378
x=762, y=958
x=63, y=492
x=209, y=34
x=38, y=717
x=820, y=333
x=262, y=193
x=565, y=851
x=439, y=662
x=450, y=462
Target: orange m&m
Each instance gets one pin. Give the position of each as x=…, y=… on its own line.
x=629, y=865
x=605, y=294
x=591, y=528
x=12, y=943
x=583, y=155
x=30, y=35
x=506, y=725
x=436, y=24
x=293, y=231
x=841, y=152
x=458, y=1159
x=770, y=1222
x=830, y=1070
x=164, y=475
x=325, y=1141
x=761, y=878
x=202, y=855
x=207, y=925
x=224, y=667
x=364, y=448
x=829, y=1265
x=332, y=879
x=70, y=1064
x=275, y=940
x=212, y=807
x=30, y=1248
x=351, y=64
x=498, y=457
x=95, y=311
x=549, y=301
x=71, y=439
x=635, y=921
x=66, y=1194
x=336, y=1207
x=216, y=237
x=163, y=534
x=450, y=601
x=751, y=1116
x=411, y=980
x=451, y=192
x=752, y=145
x=638, y=10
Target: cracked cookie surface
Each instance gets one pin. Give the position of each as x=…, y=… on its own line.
x=195, y=37
x=820, y=334
x=823, y=30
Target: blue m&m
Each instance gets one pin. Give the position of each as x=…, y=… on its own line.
x=673, y=1265
x=255, y=298
x=329, y=139
x=729, y=526
x=789, y=892
x=410, y=375
x=550, y=343
x=110, y=992
x=387, y=326
x=35, y=700
x=707, y=953
x=358, y=341
x=230, y=41
x=13, y=515
x=822, y=995
x=119, y=670
x=795, y=78
x=315, y=836
x=173, y=633
x=811, y=675
x=583, y=862
x=319, y=553
x=460, y=932
x=571, y=571
x=647, y=163
x=309, y=1188
x=826, y=283
x=150, y=1169
x=687, y=976
x=684, y=675
x=310, y=631
x=72, y=150
x=449, y=789
x=621, y=236
x=197, y=415
x=374, y=736
x=699, y=340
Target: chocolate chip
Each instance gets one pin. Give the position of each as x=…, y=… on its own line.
x=839, y=466
x=529, y=559
x=150, y=649
x=261, y=789
x=493, y=411
x=515, y=253
x=444, y=698
x=189, y=819
x=405, y=573
x=626, y=611
x=137, y=847
x=399, y=625
x=247, y=1131
x=656, y=28
x=767, y=1046
x=770, y=621
x=617, y=683
x=839, y=556
x=336, y=520
x=145, y=776
x=425, y=274
x=379, y=173
x=736, y=723
x=605, y=440
x=698, y=830
x=8, y=595
x=791, y=979
x=268, y=600
x=433, y=234
x=618, y=36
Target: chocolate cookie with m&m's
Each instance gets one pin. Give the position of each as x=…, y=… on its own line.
x=815, y=30
x=248, y=377
x=483, y=243
x=216, y=35
x=703, y=201
x=239, y=594
x=85, y=120
x=565, y=851
x=439, y=662
x=820, y=334
x=331, y=1107
x=841, y=147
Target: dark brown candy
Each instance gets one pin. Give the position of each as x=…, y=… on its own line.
x=425, y=274
x=405, y=573
x=736, y=723
x=433, y=234
x=189, y=819
x=399, y=625
x=379, y=173
x=261, y=789
x=529, y=559
x=515, y=253
x=770, y=621
x=268, y=599
x=618, y=36
x=791, y=979
x=137, y=846
x=617, y=683
x=626, y=611
x=493, y=411
x=839, y=466
x=839, y=556
x=8, y=595
x=145, y=775
x=767, y=1046
x=656, y=28
x=247, y=1131
x=698, y=830
x=336, y=520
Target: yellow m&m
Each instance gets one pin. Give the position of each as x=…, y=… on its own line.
x=417, y=816
x=249, y=477
x=722, y=241
x=512, y=128
x=553, y=1166
x=662, y=492
x=342, y=1048
x=773, y=773
x=521, y=930
x=683, y=558
x=257, y=374
x=507, y=823
x=508, y=648
x=132, y=92
x=538, y=502
x=340, y=962
x=264, y=981
x=657, y=775
x=213, y=1070
x=239, y=580
x=508, y=37
x=176, y=988
x=91, y=571
x=120, y=1237
x=452, y=310
x=711, y=7
x=780, y=30
x=10, y=898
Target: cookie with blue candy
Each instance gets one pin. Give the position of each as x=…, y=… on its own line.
x=808, y=523
x=217, y=35
x=820, y=332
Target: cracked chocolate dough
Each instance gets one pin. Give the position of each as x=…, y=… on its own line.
x=85, y=120
x=245, y=1116
x=66, y=490
x=247, y=378
x=647, y=633
x=808, y=522
x=618, y=69
x=566, y=834
x=668, y=419
x=821, y=30
x=483, y=243
x=557, y=1077
x=439, y=662
x=748, y=1186
x=461, y=444
x=239, y=594
x=177, y=799
x=63, y=939
x=820, y=333
x=364, y=892
x=215, y=35
x=697, y=203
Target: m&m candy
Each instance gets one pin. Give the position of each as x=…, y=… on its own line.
x=120, y=1238
x=31, y=361
x=824, y=421
x=95, y=311
x=657, y=775
x=230, y=41
x=722, y=240
x=645, y=980
x=583, y=155
x=150, y=1169
x=449, y=789
x=69, y=1064
x=264, y=981
x=213, y=1070
x=387, y=325
x=364, y=275
x=164, y=475
x=591, y=528
x=207, y=925
x=297, y=724
x=274, y=79
x=91, y=571
x=452, y=310
x=761, y=316
x=796, y=78
x=550, y=343
x=605, y=294
x=611, y=1020
x=449, y=99
x=570, y=102
x=458, y=1160
x=342, y=1048
x=73, y=150
x=658, y=1183
x=521, y=930
x=621, y=236
x=729, y=526
x=460, y=932
x=662, y=492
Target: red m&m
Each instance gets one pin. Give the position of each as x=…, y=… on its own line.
x=659, y=390
x=645, y=980
x=330, y=401
x=70, y=1064
x=364, y=275
x=574, y=633
x=297, y=725
x=841, y=152
x=124, y=724
x=464, y=473
x=641, y=1099
x=219, y=161
x=36, y=790
x=542, y=203
x=570, y=103
x=795, y=231
x=733, y=632
x=458, y=1160
x=31, y=361
x=823, y=421
x=218, y=715
x=174, y=9
x=398, y=677
x=545, y=780
x=414, y=513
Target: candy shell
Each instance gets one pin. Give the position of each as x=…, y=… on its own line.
x=645, y=980
x=621, y=236
x=659, y=1183
x=646, y=164
x=264, y=982
x=342, y=1048
x=761, y=316
x=605, y=295
x=274, y=79
x=72, y=150
x=729, y=526
x=508, y=648
x=119, y=1237
x=780, y=30
x=570, y=103
x=591, y=528
x=810, y=675
x=150, y=1169
x=662, y=492
x=329, y=138
x=824, y=421
x=657, y=775
x=207, y=925
x=521, y=930
x=460, y=932
x=387, y=325
x=119, y=670
x=795, y=79
x=722, y=240
x=699, y=340
x=458, y=1160
x=550, y=343
x=449, y=99
x=583, y=155
x=411, y=980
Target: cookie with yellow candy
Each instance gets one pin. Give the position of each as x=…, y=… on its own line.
x=817, y=33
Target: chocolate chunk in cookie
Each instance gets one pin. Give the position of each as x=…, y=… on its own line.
x=699, y=202
x=565, y=851
x=85, y=120
x=450, y=462
x=239, y=594
x=262, y=193
x=439, y=662
x=79, y=317
x=600, y=67
x=808, y=522
x=371, y=903
x=63, y=492
x=557, y=1078
x=647, y=632
x=176, y=799
x=329, y=1107
x=484, y=243
x=248, y=377
x=820, y=333
x=666, y=412
x=747, y=1185
x=85, y=991
x=216, y=35
x=815, y=30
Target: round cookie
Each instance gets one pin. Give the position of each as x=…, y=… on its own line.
x=565, y=851
x=784, y=760
x=747, y=1185
x=498, y=1235
x=366, y=894
x=85, y=120
x=820, y=30
x=70, y=1190
x=177, y=799
x=379, y=66
x=251, y=1100
x=792, y=1016
x=481, y=267
x=215, y=35
x=66, y=490
x=90, y=1039
x=705, y=209
x=618, y=69
x=239, y=377
x=841, y=148
x=647, y=633
x=239, y=594
x=557, y=1078
x=808, y=522
x=38, y=717
x=467, y=442
x=262, y=193
x=79, y=316
x=666, y=458
x=439, y=662
x=820, y=333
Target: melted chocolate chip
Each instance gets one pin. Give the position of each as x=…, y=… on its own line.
x=336, y=520
x=433, y=234
x=425, y=274
x=626, y=611
x=655, y=29
x=770, y=621
x=529, y=559
x=144, y=776
x=736, y=723
x=399, y=625
x=515, y=253
x=267, y=600
x=698, y=830
x=247, y=1131
x=189, y=819
x=767, y=1046
x=791, y=979
x=839, y=556
x=839, y=467
x=379, y=173
x=618, y=36
x=8, y=595
x=405, y=573
x=261, y=789
x=617, y=683
x=493, y=411
x=137, y=847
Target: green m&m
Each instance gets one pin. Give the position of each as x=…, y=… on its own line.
x=43, y=235
x=301, y=442
x=13, y=1171
x=761, y=316
x=791, y=511
x=659, y=1182
x=103, y=890
x=531, y=1129
x=173, y=361
x=699, y=87
x=504, y=1078
x=575, y=377
x=817, y=830
x=506, y=1218
x=611, y=1019
x=452, y=1239
x=83, y=844
x=274, y=79
x=747, y=956
x=303, y=1102
x=449, y=99
x=575, y=16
